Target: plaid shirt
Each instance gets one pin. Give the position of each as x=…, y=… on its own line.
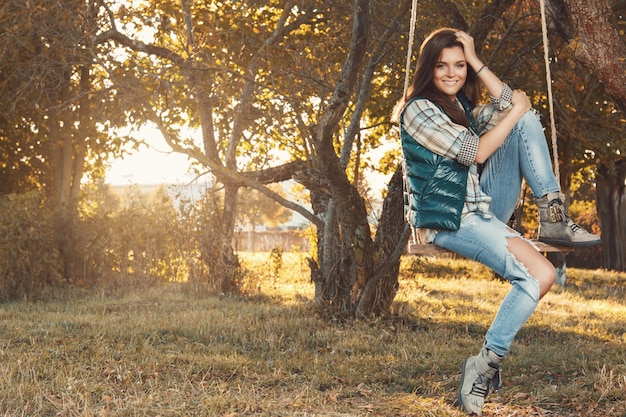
x=433, y=129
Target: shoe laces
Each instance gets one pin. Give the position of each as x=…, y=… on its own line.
x=575, y=227
x=481, y=386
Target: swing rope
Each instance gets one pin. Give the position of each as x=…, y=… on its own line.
x=409, y=54
x=546, y=57
x=407, y=73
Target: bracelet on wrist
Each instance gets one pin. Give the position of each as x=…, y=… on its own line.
x=481, y=68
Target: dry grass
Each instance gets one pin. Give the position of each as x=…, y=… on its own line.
x=174, y=351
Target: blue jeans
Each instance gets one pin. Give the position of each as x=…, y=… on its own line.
x=524, y=154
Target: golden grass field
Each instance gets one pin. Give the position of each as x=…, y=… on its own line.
x=177, y=351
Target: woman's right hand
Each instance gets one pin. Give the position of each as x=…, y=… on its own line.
x=491, y=141
x=521, y=102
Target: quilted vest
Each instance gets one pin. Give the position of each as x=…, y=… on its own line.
x=434, y=186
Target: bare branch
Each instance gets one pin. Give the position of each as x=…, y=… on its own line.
x=224, y=174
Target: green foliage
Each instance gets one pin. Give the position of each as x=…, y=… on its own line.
x=115, y=240
x=56, y=108
x=204, y=219
x=95, y=235
x=140, y=238
x=29, y=261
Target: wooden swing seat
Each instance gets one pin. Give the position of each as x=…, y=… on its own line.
x=430, y=249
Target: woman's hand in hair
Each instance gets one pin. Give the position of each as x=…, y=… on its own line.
x=469, y=49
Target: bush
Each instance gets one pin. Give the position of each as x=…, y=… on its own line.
x=143, y=243
x=112, y=241
x=29, y=258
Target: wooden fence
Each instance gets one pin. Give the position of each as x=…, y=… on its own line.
x=265, y=241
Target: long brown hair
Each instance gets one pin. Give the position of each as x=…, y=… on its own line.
x=422, y=83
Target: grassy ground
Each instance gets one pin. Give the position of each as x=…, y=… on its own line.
x=174, y=351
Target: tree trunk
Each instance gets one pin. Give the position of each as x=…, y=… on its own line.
x=611, y=206
x=69, y=144
x=390, y=242
x=344, y=252
x=61, y=140
x=217, y=251
x=591, y=28
x=345, y=244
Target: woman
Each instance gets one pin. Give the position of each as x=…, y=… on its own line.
x=464, y=167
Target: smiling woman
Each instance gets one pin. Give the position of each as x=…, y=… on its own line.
x=151, y=164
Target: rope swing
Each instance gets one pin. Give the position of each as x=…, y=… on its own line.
x=431, y=249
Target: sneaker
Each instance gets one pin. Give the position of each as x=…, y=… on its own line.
x=479, y=374
x=556, y=228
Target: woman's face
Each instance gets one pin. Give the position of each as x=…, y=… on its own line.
x=450, y=71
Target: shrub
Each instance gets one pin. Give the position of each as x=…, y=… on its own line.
x=29, y=259
x=143, y=245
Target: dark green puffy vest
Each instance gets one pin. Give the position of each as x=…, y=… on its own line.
x=435, y=186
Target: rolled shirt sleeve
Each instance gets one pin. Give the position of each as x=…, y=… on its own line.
x=505, y=100
x=469, y=149
x=487, y=116
x=434, y=130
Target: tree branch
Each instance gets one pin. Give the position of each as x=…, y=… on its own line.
x=226, y=175
x=139, y=46
x=366, y=82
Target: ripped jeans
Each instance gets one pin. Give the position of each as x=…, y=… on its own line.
x=524, y=154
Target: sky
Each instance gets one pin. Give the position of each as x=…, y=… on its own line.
x=150, y=165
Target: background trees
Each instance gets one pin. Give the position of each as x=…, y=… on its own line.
x=56, y=109
x=601, y=49
x=259, y=92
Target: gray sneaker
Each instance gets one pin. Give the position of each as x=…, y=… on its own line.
x=556, y=228
x=478, y=375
